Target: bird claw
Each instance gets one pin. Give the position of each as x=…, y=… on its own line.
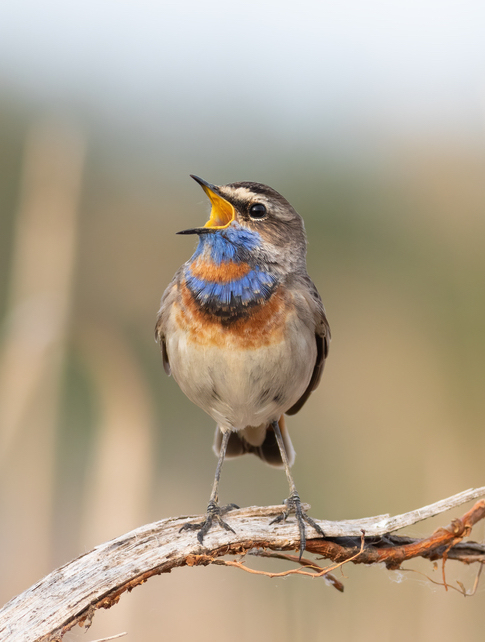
x=214, y=514
x=293, y=505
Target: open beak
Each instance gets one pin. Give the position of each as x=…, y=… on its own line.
x=222, y=212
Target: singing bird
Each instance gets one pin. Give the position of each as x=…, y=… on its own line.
x=243, y=331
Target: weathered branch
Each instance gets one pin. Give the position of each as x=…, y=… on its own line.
x=71, y=594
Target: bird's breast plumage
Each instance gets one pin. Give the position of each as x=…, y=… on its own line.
x=229, y=289
x=242, y=372
x=205, y=324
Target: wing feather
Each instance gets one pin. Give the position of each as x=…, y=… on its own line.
x=167, y=299
x=322, y=339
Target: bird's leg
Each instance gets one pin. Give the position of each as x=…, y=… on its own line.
x=214, y=511
x=293, y=503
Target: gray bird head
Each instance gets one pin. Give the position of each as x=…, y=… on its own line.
x=261, y=211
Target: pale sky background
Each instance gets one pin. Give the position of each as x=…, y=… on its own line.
x=344, y=66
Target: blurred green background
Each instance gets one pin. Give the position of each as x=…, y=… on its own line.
x=370, y=118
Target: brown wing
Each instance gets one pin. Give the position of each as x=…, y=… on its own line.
x=322, y=338
x=166, y=302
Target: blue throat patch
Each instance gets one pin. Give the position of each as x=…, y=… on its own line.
x=231, y=298
x=255, y=287
x=230, y=244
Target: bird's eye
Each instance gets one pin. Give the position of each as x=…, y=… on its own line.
x=258, y=210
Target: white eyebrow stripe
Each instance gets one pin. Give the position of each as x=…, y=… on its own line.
x=240, y=193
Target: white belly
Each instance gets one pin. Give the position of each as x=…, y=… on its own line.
x=240, y=387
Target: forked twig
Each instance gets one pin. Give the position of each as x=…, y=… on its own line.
x=319, y=571
x=295, y=559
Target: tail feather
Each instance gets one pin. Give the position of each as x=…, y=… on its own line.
x=260, y=441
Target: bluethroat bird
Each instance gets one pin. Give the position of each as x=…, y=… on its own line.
x=243, y=331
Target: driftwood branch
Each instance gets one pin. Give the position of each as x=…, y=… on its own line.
x=71, y=594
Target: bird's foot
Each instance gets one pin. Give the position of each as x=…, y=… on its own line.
x=293, y=505
x=214, y=514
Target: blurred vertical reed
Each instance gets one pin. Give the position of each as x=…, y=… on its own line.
x=34, y=341
x=121, y=469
